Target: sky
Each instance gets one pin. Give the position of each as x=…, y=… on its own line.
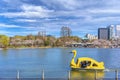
x=23, y=17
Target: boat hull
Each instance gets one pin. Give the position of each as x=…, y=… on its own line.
x=80, y=69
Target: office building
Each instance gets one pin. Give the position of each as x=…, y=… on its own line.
x=103, y=33
x=118, y=31
x=111, y=32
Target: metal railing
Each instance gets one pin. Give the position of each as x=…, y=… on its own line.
x=69, y=74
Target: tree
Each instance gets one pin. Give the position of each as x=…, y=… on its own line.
x=46, y=43
x=65, y=32
x=4, y=41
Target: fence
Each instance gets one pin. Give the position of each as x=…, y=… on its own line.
x=68, y=75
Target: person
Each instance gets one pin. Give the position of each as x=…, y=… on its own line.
x=83, y=64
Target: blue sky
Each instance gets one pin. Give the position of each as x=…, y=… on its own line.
x=23, y=17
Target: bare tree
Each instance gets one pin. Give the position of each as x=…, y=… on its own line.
x=65, y=32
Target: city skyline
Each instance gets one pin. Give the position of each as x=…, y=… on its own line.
x=23, y=17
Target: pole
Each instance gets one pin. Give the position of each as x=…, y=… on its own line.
x=43, y=75
x=69, y=75
x=95, y=74
x=116, y=73
x=18, y=75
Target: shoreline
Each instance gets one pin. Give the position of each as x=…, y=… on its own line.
x=55, y=47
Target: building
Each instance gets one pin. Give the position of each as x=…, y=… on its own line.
x=106, y=33
x=42, y=33
x=118, y=31
x=111, y=32
x=103, y=33
x=65, y=32
x=91, y=37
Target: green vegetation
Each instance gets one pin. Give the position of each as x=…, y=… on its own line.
x=36, y=41
x=4, y=41
x=51, y=41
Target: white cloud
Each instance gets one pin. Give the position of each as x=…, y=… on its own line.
x=29, y=11
x=54, y=14
x=2, y=25
x=31, y=8
x=4, y=32
x=32, y=11
x=61, y=4
x=26, y=20
x=103, y=11
x=71, y=4
x=23, y=14
x=102, y=20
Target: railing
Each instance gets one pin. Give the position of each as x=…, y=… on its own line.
x=95, y=74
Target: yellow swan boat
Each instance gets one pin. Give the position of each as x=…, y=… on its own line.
x=85, y=63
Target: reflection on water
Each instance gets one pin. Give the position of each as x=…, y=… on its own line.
x=86, y=74
x=4, y=52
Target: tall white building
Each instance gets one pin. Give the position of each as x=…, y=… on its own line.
x=118, y=31
x=111, y=32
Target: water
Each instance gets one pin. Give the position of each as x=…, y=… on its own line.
x=54, y=61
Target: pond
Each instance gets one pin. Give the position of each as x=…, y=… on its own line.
x=55, y=62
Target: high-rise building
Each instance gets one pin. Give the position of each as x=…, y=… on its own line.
x=111, y=31
x=103, y=33
x=118, y=30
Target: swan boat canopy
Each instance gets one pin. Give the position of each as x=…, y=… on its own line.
x=85, y=63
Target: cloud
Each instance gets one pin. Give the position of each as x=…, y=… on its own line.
x=103, y=19
x=72, y=4
x=35, y=11
x=4, y=32
x=32, y=8
x=29, y=11
x=74, y=7
x=10, y=5
x=79, y=15
x=2, y=25
x=26, y=20
x=104, y=11
x=61, y=4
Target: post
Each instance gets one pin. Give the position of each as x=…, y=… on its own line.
x=68, y=75
x=116, y=74
x=43, y=75
x=95, y=74
x=18, y=75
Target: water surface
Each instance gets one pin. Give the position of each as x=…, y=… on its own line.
x=54, y=61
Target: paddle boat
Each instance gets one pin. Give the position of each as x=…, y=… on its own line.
x=85, y=63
